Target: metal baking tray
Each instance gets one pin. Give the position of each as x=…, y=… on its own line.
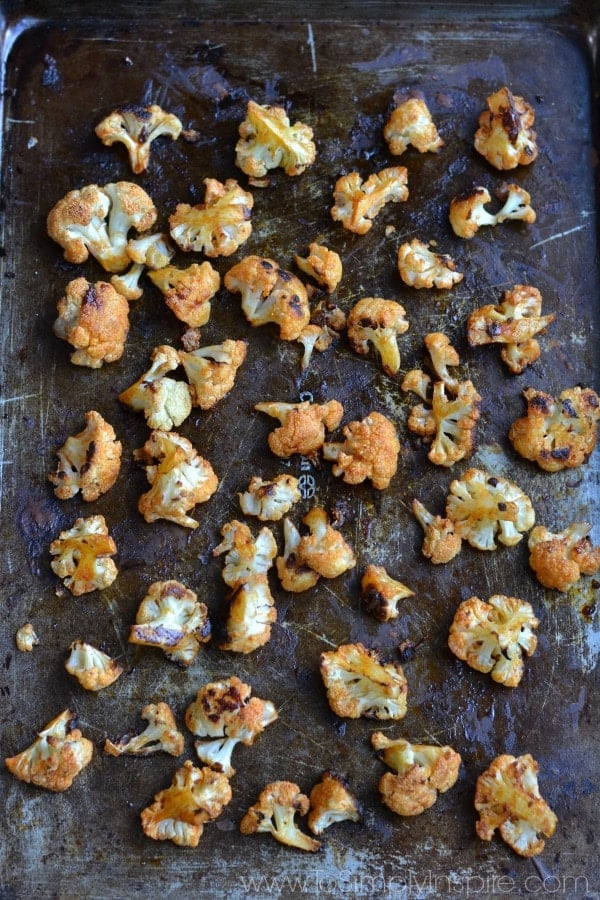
x=63, y=70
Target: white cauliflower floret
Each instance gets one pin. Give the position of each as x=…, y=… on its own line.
x=376, y=321
x=331, y=801
x=160, y=734
x=246, y=556
x=484, y=506
x=420, y=267
x=93, y=669
x=83, y=556
x=89, y=461
x=559, y=560
x=447, y=423
x=270, y=294
x=468, y=213
x=303, y=425
x=441, y=542
x=136, y=127
x=411, y=123
x=269, y=501
x=250, y=614
x=211, y=370
x=59, y=753
x=505, y=136
x=94, y=319
x=324, y=549
x=356, y=204
x=381, y=593
x=370, y=450
x=267, y=141
x=26, y=638
x=492, y=637
x=171, y=618
x=294, y=574
x=218, y=226
x=164, y=401
x=274, y=813
x=507, y=797
x=131, y=207
x=188, y=292
x=324, y=265
x=359, y=684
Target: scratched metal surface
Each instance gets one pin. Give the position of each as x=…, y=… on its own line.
x=61, y=78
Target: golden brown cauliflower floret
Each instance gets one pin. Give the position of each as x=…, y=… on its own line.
x=161, y=733
x=270, y=294
x=441, y=541
x=58, y=754
x=324, y=549
x=381, y=594
x=411, y=123
x=164, y=401
x=274, y=813
x=468, y=213
x=93, y=669
x=136, y=127
x=26, y=638
x=422, y=770
x=324, y=265
x=370, y=450
x=171, y=618
x=303, y=425
x=218, y=226
x=269, y=501
x=180, y=811
x=246, y=556
x=507, y=797
x=211, y=371
x=505, y=136
x=93, y=318
x=89, y=461
x=420, y=267
x=447, y=423
x=359, y=684
x=331, y=801
x=559, y=560
x=356, y=204
x=294, y=574
x=152, y=251
x=188, y=292
x=557, y=433
x=492, y=637
x=376, y=321
x=268, y=141
x=83, y=556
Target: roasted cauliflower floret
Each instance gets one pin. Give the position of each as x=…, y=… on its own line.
x=268, y=141
x=303, y=425
x=26, y=638
x=505, y=136
x=211, y=371
x=93, y=669
x=356, y=204
x=559, y=560
x=370, y=450
x=381, y=594
x=151, y=251
x=164, y=401
x=359, y=684
x=507, y=797
x=225, y=712
x=250, y=614
x=468, y=213
x=441, y=541
x=422, y=770
x=270, y=294
x=331, y=801
x=484, y=506
x=269, y=501
x=447, y=423
x=411, y=123
x=492, y=637
x=82, y=556
x=89, y=461
x=218, y=226
x=136, y=127
x=160, y=734
x=274, y=813
x=94, y=319
x=324, y=265
x=57, y=755
x=557, y=433
x=324, y=549
x=171, y=618
x=294, y=574
x=188, y=292
x=246, y=556
x=179, y=812
x=376, y=321
x=420, y=267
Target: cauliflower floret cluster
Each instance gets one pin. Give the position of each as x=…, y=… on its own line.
x=331, y=801
x=171, y=618
x=136, y=127
x=160, y=734
x=58, y=754
x=381, y=593
x=370, y=450
x=411, y=123
x=505, y=136
x=211, y=371
x=559, y=560
x=379, y=322
x=420, y=267
x=88, y=462
x=82, y=556
x=324, y=265
x=359, y=684
x=441, y=541
x=164, y=401
x=274, y=813
x=270, y=294
x=268, y=141
x=93, y=669
x=468, y=213
x=356, y=204
x=188, y=292
x=94, y=319
x=218, y=226
x=269, y=501
x=303, y=426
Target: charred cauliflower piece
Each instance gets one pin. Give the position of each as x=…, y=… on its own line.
x=381, y=594
x=331, y=801
x=179, y=812
x=82, y=556
x=188, y=292
x=422, y=770
x=420, y=267
x=89, y=461
x=559, y=560
x=507, y=798
x=468, y=213
x=359, y=684
x=492, y=637
x=505, y=136
x=94, y=319
x=218, y=226
x=411, y=123
x=370, y=450
x=211, y=371
x=303, y=425
x=274, y=813
x=557, y=433
x=93, y=669
x=59, y=753
x=441, y=542
x=270, y=294
x=294, y=574
x=376, y=321
x=324, y=265
x=356, y=204
x=160, y=734
x=171, y=618
x=136, y=127
x=164, y=401
x=324, y=549
x=268, y=141
x=269, y=501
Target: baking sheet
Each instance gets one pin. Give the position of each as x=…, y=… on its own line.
x=62, y=76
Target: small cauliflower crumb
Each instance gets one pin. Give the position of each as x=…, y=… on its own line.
x=356, y=204
x=26, y=638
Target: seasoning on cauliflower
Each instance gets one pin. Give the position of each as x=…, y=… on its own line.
x=270, y=294
x=376, y=321
x=441, y=542
x=180, y=811
x=269, y=501
x=211, y=371
x=356, y=204
x=218, y=226
x=324, y=265
x=557, y=433
x=359, y=684
x=468, y=213
x=484, y=506
x=559, y=560
x=89, y=461
x=411, y=123
x=58, y=754
x=422, y=770
x=303, y=426
x=370, y=450
x=188, y=292
x=136, y=127
x=172, y=618
x=225, y=712
x=150, y=251
x=420, y=267
x=83, y=556
x=246, y=556
x=381, y=594
x=331, y=801
x=294, y=574
x=94, y=319
x=492, y=637
x=93, y=669
x=505, y=136
x=513, y=323
x=507, y=797
x=268, y=141
x=274, y=813
x=26, y=638
x=164, y=401
x=160, y=734
x=324, y=549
